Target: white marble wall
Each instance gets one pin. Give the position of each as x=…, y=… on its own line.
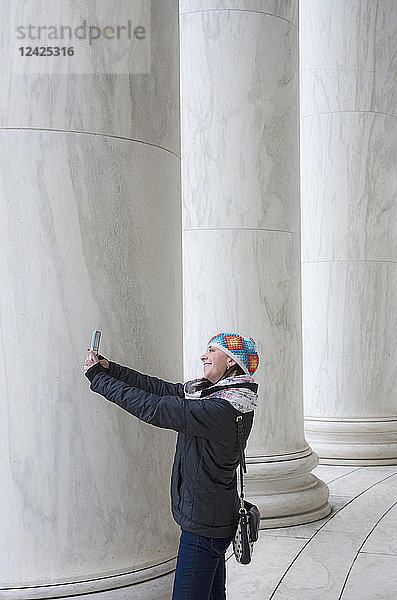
x=241, y=227
x=138, y=106
x=91, y=233
x=349, y=228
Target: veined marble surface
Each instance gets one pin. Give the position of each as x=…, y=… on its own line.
x=349, y=227
x=341, y=340
x=254, y=289
x=349, y=187
x=241, y=227
x=342, y=557
x=138, y=106
x=239, y=121
x=85, y=485
x=240, y=201
x=348, y=56
x=285, y=9
x=91, y=227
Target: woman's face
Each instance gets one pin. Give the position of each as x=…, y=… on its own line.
x=215, y=363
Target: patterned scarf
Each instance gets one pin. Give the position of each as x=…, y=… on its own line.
x=239, y=390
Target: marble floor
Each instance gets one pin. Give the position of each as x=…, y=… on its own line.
x=349, y=555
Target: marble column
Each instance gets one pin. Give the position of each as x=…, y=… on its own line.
x=91, y=238
x=349, y=225
x=241, y=228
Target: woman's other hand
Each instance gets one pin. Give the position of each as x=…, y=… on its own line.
x=89, y=362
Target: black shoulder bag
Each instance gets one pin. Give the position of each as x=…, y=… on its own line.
x=249, y=515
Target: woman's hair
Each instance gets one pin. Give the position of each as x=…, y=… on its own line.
x=234, y=370
x=237, y=370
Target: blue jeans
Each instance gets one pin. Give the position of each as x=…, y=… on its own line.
x=200, y=572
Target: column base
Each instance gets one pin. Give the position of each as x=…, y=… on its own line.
x=154, y=583
x=285, y=490
x=355, y=442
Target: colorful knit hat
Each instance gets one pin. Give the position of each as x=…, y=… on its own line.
x=241, y=349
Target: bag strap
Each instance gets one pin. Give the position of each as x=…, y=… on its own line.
x=243, y=465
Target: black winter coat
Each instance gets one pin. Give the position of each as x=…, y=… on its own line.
x=204, y=497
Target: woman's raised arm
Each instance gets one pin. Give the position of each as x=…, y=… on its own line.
x=147, y=383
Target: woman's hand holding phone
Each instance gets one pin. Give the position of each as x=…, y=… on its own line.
x=93, y=359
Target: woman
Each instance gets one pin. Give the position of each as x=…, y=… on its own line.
x=204, y=497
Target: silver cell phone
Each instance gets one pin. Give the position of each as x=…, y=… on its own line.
x=95, y=341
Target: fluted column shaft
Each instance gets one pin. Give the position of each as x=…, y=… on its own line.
x=241, y=227
x=91, y=234
x=349, y=223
